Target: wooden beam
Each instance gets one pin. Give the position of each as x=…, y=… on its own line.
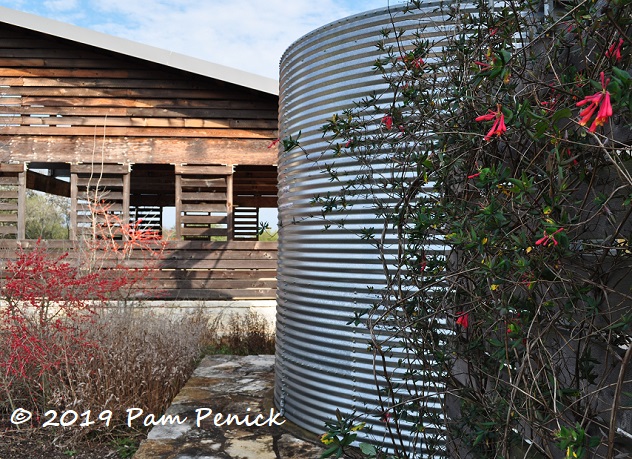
x=98, y=168
x=123, y=150
x=126, y=197
x=114, y=131
x=178, y=207
x=197, y=169
x=212, y=115
x=47, y=184
x=74, y=195
x=11, y=168
x=22, y=203
x=230, y=229
x=178, y=121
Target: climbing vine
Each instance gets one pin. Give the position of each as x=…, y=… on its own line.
x=508, y=187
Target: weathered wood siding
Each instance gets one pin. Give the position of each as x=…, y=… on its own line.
x=185, y=270
x=140, y=136
x=67, y=102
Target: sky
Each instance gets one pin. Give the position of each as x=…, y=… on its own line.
x=249, y=35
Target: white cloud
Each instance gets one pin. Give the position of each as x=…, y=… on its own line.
x=247, y=34
x=60, y=5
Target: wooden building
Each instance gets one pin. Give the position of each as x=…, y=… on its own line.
x=126, y=131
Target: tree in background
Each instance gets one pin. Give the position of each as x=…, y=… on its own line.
x=47, y=216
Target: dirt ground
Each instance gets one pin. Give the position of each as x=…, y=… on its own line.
x=37, y=443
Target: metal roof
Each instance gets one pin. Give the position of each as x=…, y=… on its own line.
x=138, y=50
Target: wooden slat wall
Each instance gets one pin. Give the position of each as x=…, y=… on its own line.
x=188, y=270
x=107, y=188
x=255, y=186
x=54, y=87
x=203, y=202
x=12, y=200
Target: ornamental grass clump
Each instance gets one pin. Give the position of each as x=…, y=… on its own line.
x=65, y=347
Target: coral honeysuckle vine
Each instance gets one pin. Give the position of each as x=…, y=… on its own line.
x=519, y=117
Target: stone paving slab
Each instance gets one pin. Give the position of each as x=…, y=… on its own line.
x=226, y=388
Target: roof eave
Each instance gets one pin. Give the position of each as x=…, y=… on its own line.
x=139, y=50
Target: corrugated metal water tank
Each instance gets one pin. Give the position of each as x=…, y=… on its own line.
x=326, y=275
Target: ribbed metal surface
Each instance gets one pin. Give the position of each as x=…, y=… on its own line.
x=325, y=276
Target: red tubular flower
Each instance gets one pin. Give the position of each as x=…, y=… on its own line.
x=548, y=238
x=499, y=127
x=490, y=115
x=412, y=61
x=483, y=65
x=615, y=50
x=599, y=100
x=417, y=63
x=387, y=120
x=463, y=319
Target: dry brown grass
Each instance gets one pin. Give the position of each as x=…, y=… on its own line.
x=141, y=360
x=135, y=359
x=243, y=334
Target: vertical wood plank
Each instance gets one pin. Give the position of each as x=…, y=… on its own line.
x=230, y=218
x=126, y=197
x=22, y=204
x=74, y=192
x=178, y=207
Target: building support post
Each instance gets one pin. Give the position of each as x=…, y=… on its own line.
x=230, y=215
x=22, y=204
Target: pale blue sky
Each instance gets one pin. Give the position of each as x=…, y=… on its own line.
x=250, y=35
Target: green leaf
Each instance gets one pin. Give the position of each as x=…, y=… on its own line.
x=330, y=451
x=621, y=74
x=504, y=56
x=541, y=128
x=369, y=450
x=563, y=113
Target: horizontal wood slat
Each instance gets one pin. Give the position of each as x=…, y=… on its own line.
x=185, y=270
x=133, y=121
x=144, y=132
x=204, y=197
x=159, y=150
x=212, y=284
x=204, y=219
x=8, y=194
x=97, y=180
x=203, y=183
x=210, y=115
x=129, y=97
x=99, y=168
x=59, y=63
x=12, y=168
x=9, y=218
x=203, y=207
x=190, y=169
